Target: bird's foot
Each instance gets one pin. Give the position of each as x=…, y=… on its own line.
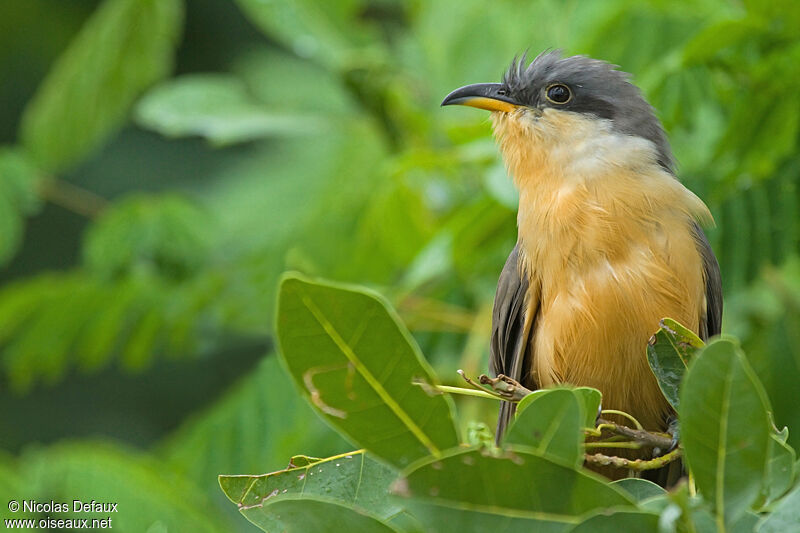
x=509, y=389
x=674, y=431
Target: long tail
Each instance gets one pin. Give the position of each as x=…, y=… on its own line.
x=507, y=410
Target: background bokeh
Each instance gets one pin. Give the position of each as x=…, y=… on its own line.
x=162, y=162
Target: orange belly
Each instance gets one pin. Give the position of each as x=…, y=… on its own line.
x=596, y=317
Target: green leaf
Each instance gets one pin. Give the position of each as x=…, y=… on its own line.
x=351, y=356
x=328, y=32
x=591, y=404
x=166, y=235
x=18, y=198
x=218, y=108
x=282, y=80
x=301, y=515
x=352, y=479
x=725, y=428
x=12, y=487
x=471, y=490
x=123, y=48
x=722, y=35
x=780, y=470
x=745, y=523
x=145, y=490
x=785, y=517
x=640, y=489
x=551, y=422
x=609, y=521
x=669, y=351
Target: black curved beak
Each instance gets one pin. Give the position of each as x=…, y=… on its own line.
x=489, y=96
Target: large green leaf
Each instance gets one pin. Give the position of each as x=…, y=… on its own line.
x=471, y=490
x=785, y=518
x=640, y=489
x=352, y=479
x=780, y=470
x=123, y=48
x=669, y=351
x=551, y=422
x=725, y=428
x=297, y=514
x=616, y=521
x=218, y=108
x=591, y=404
x=350, y=355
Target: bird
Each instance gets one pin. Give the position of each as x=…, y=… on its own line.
x=609, y=240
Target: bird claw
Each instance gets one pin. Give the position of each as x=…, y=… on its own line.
x=507, y=388
x=674, y=431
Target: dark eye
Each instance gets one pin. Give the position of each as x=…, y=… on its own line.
x=558, y=93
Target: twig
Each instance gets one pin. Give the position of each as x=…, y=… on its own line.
x=624, y=415
x=631, y=445
x=638, y=465
x=654, y=440
x=509, y=389
x=465, y=392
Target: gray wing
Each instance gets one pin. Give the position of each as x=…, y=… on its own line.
x=512, y=330
x=711, y=324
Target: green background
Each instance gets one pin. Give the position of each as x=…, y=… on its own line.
x=163, y=162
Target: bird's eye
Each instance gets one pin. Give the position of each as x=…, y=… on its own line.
x=558, y=93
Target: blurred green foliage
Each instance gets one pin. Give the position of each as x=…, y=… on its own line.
x=165, y=161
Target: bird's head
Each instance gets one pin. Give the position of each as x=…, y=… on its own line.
x=571, y=108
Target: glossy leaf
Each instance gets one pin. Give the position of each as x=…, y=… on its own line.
x=122, y=49
x=354, y=360
x=615, y=521
x=469, y=490
x=353, y=479
x=640, y=489
x=218, y=108
x=669, y=352
x=780, y=471
x=551, y=422
x=785, y=517
x=302, y=515
x=592, y=399
x=725, y=429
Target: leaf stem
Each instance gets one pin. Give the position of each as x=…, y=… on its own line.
x=465, y=392
x=639, y=465
x=605, y=444
x=624, y=415
x=655, y=440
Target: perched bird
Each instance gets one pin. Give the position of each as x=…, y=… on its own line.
x=609, y=241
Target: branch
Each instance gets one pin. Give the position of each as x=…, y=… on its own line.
x=508, y=389
x=654, y=440
x=638, y=465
